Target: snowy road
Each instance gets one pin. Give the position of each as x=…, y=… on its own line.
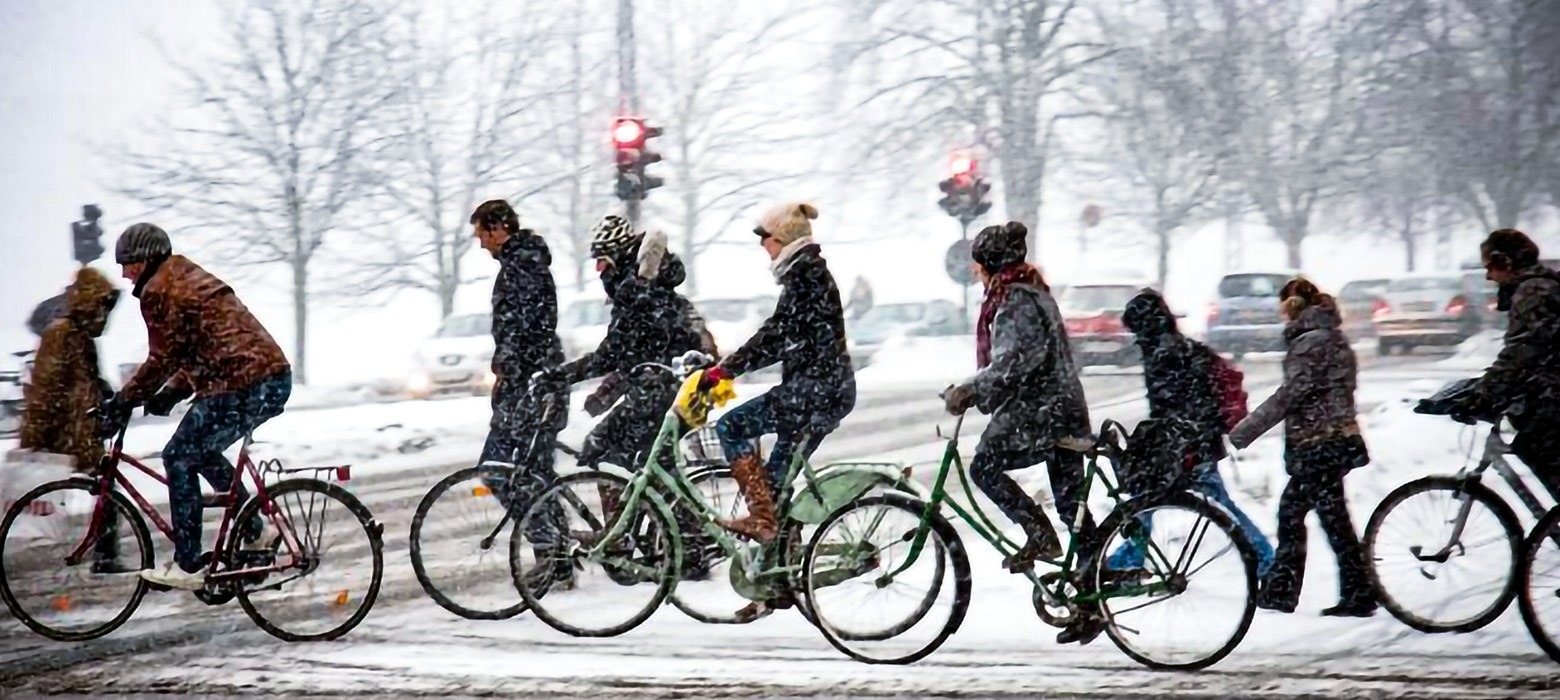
x=408, y=647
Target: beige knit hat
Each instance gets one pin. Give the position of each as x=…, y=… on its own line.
x=789, y=222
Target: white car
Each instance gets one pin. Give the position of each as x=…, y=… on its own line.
x=457, y=360
x=733, y=320
x=582, y=324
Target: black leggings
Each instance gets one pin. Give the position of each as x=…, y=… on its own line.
x=1316, y=483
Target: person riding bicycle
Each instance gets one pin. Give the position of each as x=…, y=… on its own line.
x=1178, y=375
x=1027, y=382
x=1524, y=381
x=1322, y=443
x=206, y=345
x=68, y=387
x=806, y=335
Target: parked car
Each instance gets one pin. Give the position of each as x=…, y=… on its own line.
x=1435, y=309
x=456, y=360
x=1245, y=317
x=1358, y=301
x=883, y=322
x=1092, y=312
x=582, y=323
x=733, y=320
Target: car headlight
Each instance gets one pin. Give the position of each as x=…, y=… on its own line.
x=419, y=382
x=489, y=380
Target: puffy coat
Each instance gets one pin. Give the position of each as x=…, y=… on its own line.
x=1031, y=387
x=1524, y=380
x=525, y=310
x=650, y=322
x=1316, y=400
x=1177, y=372
x=66, y=381
x=806, y=335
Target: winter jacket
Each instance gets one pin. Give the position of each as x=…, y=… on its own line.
x=1177, y=374
x=201, y=336
x=1316, y=400
x=66, y=381
x=650, y=322
x=525, y=310
x=806, y=334
x=1031, y=387
x=1524, y=380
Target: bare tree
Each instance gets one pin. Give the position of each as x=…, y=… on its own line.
x=270, y=158
x=992, y=69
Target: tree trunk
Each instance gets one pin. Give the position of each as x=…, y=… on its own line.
x=449, y=286
x=1162, y=232
x=1508, y=208
x=690, y=239
x=1293, y=237
x=300, y=287
x=1021, y=189
x=1410, y=248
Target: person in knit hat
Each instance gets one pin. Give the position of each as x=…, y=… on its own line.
x=806, y=335
x=1027, y=382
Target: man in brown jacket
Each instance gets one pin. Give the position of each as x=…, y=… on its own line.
x=67, y=387
x=203, y=343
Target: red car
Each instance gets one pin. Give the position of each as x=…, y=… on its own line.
x=1092, y=312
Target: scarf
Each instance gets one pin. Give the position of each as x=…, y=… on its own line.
x=997, y=293
x=787, y=257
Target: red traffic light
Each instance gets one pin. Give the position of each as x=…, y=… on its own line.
x=962, y=165
x=628, y=132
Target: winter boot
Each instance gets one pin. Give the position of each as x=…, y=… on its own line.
x=1042, y=544
x=752, y=480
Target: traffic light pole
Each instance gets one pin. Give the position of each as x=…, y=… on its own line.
x=964, y=289
x=628, y=89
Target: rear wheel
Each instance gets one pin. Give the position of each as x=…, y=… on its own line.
x=1540, y=577
x=319, y=536
x=62, y=602
x=460, y=545
x=1433, y=577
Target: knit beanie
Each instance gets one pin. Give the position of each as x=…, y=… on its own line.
x=997, y=247
x=788, y=222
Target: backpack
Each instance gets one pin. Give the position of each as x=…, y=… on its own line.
x=1229, y=388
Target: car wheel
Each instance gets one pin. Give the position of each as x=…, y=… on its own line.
x=1383, y=347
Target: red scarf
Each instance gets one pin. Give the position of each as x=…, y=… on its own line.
x=996, y=293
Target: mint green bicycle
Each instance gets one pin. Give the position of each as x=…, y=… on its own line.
x=869, y=580
x=616, y=551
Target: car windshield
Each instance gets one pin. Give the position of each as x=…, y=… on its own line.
x=586, y=313
x=1251, y=285
x=1363, y=289
x=1097, y=298
x=466, y=326
x=893, y=314
x=1424, y=284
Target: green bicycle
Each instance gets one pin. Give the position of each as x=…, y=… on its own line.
x=617, y=532
x=1188, y=606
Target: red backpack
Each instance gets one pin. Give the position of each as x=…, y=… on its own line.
x=1229, y=388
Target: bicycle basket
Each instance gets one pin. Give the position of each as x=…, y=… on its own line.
x=702, y=446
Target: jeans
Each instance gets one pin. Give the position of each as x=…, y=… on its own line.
x=1206, y=481
x=212, y=425
x=741, y=427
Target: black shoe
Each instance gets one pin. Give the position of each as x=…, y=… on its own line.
x=1267, y=601
x=1042, y=544
x=1350, y=610
x=1084, y=630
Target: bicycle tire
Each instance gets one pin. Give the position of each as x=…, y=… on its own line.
x=1101, y=552
x=947, y=544
x=1546, y=530
x=365, y=520
x=127, y=513
x=1485, y=497
x=415, y=544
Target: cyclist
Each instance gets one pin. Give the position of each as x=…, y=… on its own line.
x=203, y=343
x=67, y=386
x=806, y=334
x=1027, y=382
x=1177, y=372
x=1322, y=443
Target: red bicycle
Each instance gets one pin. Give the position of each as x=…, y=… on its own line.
x=303, y=579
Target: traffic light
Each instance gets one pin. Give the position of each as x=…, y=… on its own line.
x=629, y=136
x=965, y=191
x=87, y=236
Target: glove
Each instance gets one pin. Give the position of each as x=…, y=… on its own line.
x=162, y=402
x=548, y=381
x=713, y=376
x=113, y=416
x=651, y=250
x=958, y=399
x=611, y=389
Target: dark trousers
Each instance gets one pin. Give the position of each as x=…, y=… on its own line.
x=522, y=434
x=625, y=435
x=212, y=425
x=1317, y=487
x=1065, y=469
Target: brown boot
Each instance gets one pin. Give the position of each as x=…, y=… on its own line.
x=753, y=480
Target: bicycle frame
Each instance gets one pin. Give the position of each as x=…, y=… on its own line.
x=1494, y=457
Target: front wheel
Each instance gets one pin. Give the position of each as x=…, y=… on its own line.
x=459, y=544
x=1540, y=577
x=1443, y=552
x=877, y=597
x=315, y=584
x=53, y=598
x=1189, y=599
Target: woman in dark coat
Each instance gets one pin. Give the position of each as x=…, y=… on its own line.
x=1322, y=443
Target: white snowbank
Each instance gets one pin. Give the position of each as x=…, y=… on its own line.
x=920, y=362
x=1475, y=353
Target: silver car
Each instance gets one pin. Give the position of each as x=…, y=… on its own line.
x=1436, y=309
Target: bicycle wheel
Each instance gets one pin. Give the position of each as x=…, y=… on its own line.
x=328, y=569
x=461, y=556
x=1430, y=575
x=70, y=603
x=705, y=592
x=1192, y=602
x=863, y=613
x=1540, y=576
x=604, y=594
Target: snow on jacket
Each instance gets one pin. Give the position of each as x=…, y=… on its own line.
x=200, y=336
x=525, y=310
x=650, y=322
x=1524, y=380
x=1316, y=400
x=66, y=381
x=1031, y=387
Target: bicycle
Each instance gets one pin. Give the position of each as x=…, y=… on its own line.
x=61, y=522
x=637, y=543
x=866, y=536
x=1540, y=601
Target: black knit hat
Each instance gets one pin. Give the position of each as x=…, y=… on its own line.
x=142, y=243
x=997, y=247
x=1147, y=314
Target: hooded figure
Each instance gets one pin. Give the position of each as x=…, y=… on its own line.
x=1322, y=443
